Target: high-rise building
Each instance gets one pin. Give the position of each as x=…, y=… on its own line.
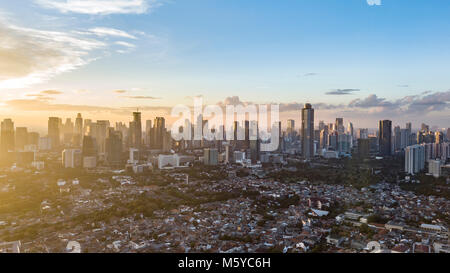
x=78, y=131
x=21, y=138
x=308, y=131
x=364, y=147
x=324, y=138
x=434, y=168
x=254, y=142
x=290, y=128
x=71, y=158
x=113, y=148
x=7, y=136
x=211, y=157
x=385, y=137
x=89, y=147
x=448, y=134
x=148, y=130
x=397, y=138
x=54, y=125
x=78, y=125
x=33, y=138
x=439, y=137
x=362, y=133
x=414, y=159
x=136, y=131
x=340, y=125
x=321, y=125
x=158, y=133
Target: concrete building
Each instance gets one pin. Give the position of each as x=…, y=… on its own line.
x=414, y=159
x=71, y=158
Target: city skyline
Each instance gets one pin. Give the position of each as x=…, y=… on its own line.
x=357, y=60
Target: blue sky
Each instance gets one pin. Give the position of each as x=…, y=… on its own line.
x=292, y=51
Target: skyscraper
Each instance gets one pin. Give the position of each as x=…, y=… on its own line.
x=385, y=137
x=113, y=147
x=397, y=138
x=54, y=131
x=308, y=131
x=340, y=125
x=136, y=134
x=21, y=138
x=7, y=136
x=78, y=131
x=78, y=125
x=414, y=159
x=290, y=128
x=158, y=133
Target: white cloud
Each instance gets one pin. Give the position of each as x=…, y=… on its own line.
x=100, y=7
x=103, y=31
x=125, y=44
x=29, y=56
x=374, y=2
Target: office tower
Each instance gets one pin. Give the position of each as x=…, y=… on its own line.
x=385, y=137
x=340, y=125
x=86, y=124
x=254, y=142
x=71, y=158
x=78, y=130
x=434, y=168
x=324, y=138
x=89, y=146
x=237, y=132
x=409, y=126
x=397, y=138
x=373, y=144
x=148, y=130
x=344, y=141
x=439, y=137
x=136, y=131
x=158, y=133
x=424, y=127
x=7, y=137
x=364, y=147
x=167, y=141
x=113, y=148
x=350, y=130
x=291, y=128
x=33, y=138
x=414, y=159
x=333, y=140
x=210, y=157
x=100, y=137
x=321, y=125
x=448, y=134
x=67, y=131
x=404, y=138
x=21, y=138
x=54, y=132
x=308, y=131
x=362, y=134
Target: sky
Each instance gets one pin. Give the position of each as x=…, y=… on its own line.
x=363, y=60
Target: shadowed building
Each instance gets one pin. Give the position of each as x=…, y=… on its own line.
x=308, y=131
x=385, y=137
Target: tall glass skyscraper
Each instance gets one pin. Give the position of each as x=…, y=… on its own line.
x=308, y=131
x=385, y=137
